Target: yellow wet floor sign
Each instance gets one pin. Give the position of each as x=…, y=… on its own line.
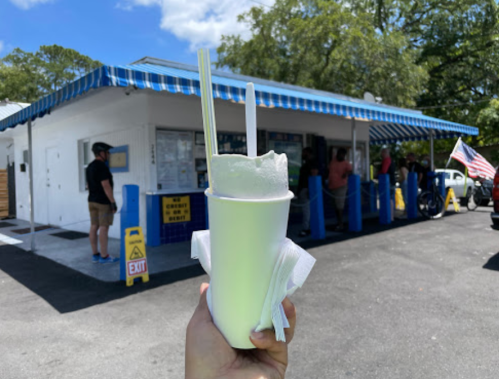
x=451, y=196
x=399, y=199
x=136, y=259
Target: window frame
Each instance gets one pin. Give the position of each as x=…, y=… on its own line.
x=83, y=144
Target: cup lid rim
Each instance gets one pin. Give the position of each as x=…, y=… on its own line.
x=288, y=196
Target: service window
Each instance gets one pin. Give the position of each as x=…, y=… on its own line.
x=232, y=143
x=292, y=145
x=175, y=160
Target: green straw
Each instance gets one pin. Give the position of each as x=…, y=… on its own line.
x=209, y=126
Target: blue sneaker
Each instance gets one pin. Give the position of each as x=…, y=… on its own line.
x=108, y=259
x=95, y=258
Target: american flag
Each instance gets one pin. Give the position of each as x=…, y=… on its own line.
x=477, y=165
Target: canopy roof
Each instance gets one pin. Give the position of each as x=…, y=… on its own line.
x=387, y=124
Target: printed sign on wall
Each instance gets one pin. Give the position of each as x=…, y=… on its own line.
x=176, y=209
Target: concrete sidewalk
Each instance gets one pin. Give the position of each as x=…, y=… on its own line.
x=76, y=253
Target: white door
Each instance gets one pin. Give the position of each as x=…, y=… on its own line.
x=53, y=186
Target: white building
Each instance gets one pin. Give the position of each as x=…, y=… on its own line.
x=7, y=109
x=151, y=112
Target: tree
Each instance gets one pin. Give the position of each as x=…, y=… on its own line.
x=488, y=118
x=324, y=45
x=26, y=76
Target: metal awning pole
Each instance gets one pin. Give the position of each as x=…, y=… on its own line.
x=368, y=160
x=354, y=147
x=432, y=158
x=31, y=199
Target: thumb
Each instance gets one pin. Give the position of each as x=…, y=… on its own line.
x=202, y=311
x=265, y=340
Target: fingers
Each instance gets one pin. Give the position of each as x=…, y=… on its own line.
x=202, y=311
x=265, y=340
x=290, y=311
x=203, y=288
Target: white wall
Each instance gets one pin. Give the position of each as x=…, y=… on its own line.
x=109, y=116
x=184, y=112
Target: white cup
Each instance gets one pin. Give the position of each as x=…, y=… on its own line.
x=245, y=238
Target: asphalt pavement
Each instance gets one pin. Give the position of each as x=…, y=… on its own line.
x=417, y=300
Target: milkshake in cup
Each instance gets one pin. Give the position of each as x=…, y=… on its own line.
x=251, y=263
x=248, y=215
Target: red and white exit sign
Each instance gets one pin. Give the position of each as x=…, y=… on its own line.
x=137, y=267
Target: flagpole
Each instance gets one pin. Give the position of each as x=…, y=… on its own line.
x=465, y=181
x=453, y=151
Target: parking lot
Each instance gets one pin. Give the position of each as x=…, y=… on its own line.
x=417, y=300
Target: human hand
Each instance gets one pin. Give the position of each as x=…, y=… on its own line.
x=209, y=356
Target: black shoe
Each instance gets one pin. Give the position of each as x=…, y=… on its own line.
x=305, y=233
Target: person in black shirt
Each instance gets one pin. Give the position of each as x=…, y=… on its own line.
x=308, y=168
x=414, y=166
x=101, y=203
x=425, y=164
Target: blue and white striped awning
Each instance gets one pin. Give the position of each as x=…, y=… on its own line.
x=387, y=133
x=388, y=124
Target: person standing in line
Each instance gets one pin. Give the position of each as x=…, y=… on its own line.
x=101, y=203
x=414, y=166
x=425, y=163
x=339, y=169
x=404, y=171
x=308, y=168
x=388, y=167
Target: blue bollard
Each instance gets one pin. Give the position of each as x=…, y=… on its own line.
x=153, y=220
x=432, y=176
x=412, y=196
x=385, y=205
x=354, y=204
x=441, y=183
x=317, y=223
x=129, y=219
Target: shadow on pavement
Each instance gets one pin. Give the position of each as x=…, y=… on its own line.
x=492, y=263
x=68, y=290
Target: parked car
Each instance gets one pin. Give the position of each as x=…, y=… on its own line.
x=455, y=179
x=495, y=198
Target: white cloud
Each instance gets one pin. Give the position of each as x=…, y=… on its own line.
x=201, y=22
x=26, y=4
x=1, y=46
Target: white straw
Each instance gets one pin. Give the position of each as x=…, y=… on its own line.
x=210, y=131
x=251, y=120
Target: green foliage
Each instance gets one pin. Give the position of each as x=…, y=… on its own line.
x=425, y=53
x=323, y=45
x=26, y=76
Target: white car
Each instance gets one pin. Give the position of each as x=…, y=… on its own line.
x=455, y=179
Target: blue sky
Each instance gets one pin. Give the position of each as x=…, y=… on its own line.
x=121, y=31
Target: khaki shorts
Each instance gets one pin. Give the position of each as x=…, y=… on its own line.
x=340, y=195
x=101, y=214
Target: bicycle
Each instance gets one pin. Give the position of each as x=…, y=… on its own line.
x=430, y=202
